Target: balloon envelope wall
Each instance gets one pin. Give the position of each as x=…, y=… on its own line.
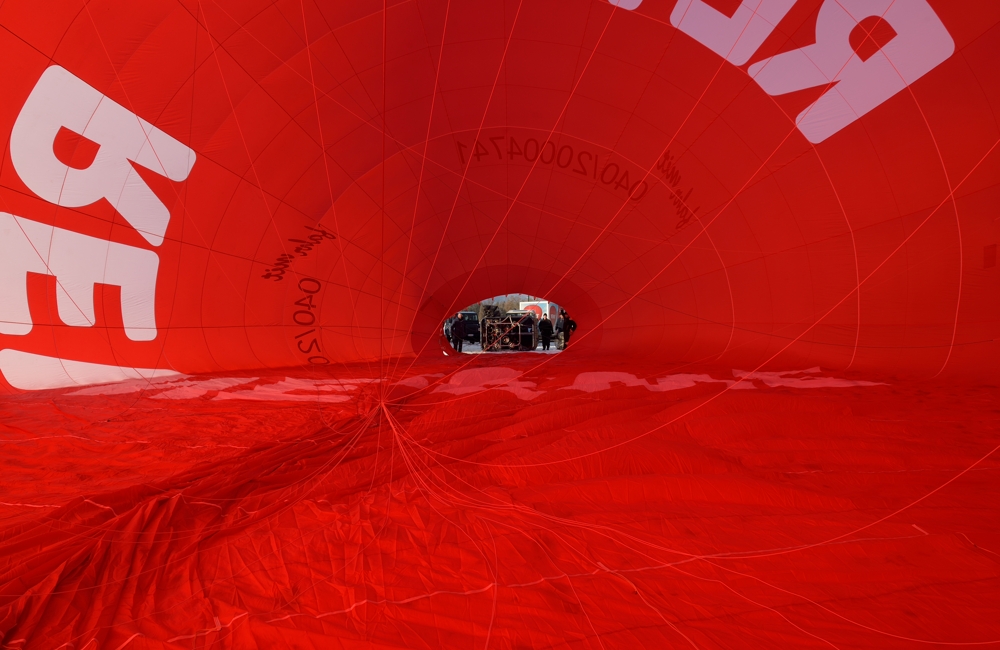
x=233, y=188
x=682, y=206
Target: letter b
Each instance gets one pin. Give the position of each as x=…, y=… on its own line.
x=60, y=99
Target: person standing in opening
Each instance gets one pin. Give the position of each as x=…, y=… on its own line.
x=545, y=330
x=560, y=324
x=565, y=326
x=458, y=333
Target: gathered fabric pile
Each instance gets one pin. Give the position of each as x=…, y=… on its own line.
x=507, y=505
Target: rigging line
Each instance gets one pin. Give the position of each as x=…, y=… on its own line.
x=535, y=163
x=704, y=230
x=326, y=168
x=648, y=171
x=718, y=214
x=465, y=172
x=807, y=329
x=566, y=522
x=524, y=184
x=669, y=263
x=572, y=523
x=131, y=107
x=420, y=177
x=646, y=177
x=846, y=619
x=954, y=478
x=843, y=210
x=45, y=259
x=216, y=45
x=245, y=569
x=381, y=284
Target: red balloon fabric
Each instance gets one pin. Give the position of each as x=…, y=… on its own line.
x=673, y=200
x=504, y=506
x=774, y=221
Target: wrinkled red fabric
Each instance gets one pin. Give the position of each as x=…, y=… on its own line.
x=524, y=515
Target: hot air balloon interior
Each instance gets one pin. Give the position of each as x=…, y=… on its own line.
x=236, y=236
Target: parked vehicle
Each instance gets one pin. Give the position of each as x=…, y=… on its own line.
x=471, y=319
x=516, y=330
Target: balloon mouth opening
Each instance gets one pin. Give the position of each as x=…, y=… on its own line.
x=511, y=287
x=510, y=323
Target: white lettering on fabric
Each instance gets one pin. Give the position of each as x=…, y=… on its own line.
x=28, y=371
x=61, y=100
x=918, y=43
x=626, y=4
x=78, y=262
x=733, y=38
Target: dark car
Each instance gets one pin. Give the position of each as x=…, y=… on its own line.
x=471, y=319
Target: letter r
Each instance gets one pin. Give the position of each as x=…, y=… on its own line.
x=921, y=43
x=60, y=99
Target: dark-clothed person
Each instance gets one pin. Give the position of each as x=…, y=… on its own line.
x=458, y=333
x=545, y=331
x=565, y=327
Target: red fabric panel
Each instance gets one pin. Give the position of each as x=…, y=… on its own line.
x=860, y=252
x=528, y=515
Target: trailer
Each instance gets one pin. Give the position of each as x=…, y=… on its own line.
x=516, y=330
x=541, y=307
